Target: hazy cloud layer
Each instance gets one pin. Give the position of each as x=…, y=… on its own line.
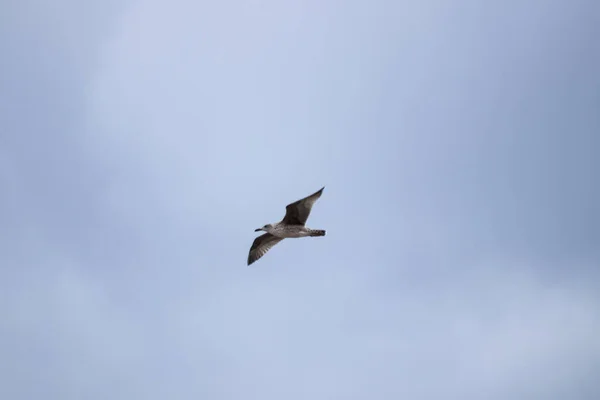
x=142, y=142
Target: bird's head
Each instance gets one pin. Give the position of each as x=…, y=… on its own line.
x=264, y=228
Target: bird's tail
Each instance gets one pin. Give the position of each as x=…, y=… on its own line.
x=317, y=232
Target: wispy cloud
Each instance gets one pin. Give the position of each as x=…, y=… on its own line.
x=147, y=140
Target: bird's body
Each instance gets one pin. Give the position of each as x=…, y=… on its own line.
x=291, y=226
x=292, y=231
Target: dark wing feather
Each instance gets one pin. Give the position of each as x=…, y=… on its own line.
x=297, y=212
x=261, y=245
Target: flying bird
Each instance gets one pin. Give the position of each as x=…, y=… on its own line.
x=291, y=226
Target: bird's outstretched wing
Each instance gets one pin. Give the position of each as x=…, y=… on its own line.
x=297, y=212
x=261, y=245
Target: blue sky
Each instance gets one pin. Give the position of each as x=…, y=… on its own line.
x=142, y=142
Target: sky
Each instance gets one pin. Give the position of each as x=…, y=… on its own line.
x=143, y=141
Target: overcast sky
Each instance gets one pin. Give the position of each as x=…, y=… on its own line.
x=142, y=142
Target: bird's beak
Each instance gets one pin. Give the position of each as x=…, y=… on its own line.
x=258, y=230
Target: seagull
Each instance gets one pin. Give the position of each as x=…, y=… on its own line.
x=291, y=226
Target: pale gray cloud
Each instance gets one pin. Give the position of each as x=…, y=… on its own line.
x=142, y=143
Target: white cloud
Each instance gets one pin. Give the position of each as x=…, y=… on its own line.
x=69, y=334
x=502, y=334
x=192, y=113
